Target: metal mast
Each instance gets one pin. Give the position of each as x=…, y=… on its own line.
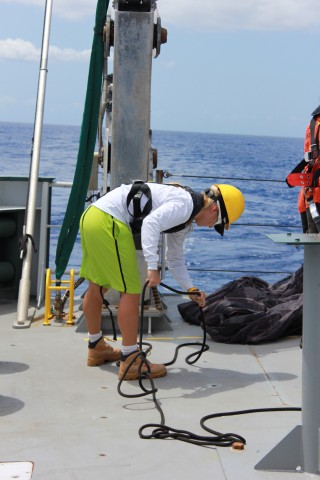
x=23, y=319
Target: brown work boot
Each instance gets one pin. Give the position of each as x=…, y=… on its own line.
x=101, y=353
x=156, y=369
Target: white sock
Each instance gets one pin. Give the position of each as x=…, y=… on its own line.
x=126, y=350
x=94, y=337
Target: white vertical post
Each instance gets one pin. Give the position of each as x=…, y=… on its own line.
x=25, y=282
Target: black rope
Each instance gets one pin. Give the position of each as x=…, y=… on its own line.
x=106, y=304
x=161, y=431
x=145, y=375
x=66, y=294
x=94, y=196
x=23, y=240
x=204, y=346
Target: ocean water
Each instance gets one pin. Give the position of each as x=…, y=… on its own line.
x=256, y=165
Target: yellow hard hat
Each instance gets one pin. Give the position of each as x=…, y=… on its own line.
x=231, y=205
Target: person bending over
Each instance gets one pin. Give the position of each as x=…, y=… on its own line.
x=109, y=257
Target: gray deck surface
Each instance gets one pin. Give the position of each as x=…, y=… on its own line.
x=70, y=422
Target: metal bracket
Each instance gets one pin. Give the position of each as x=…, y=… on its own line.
x=134, y=5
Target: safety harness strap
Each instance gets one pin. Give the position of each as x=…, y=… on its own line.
x=299, y=179
x=314, y=137
x=197, y=205
x=138, y=189
x=291, y=179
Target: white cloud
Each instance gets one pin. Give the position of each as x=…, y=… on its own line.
x=72, y=10
x=241, y=14
x=211, y=14
x=68, y=54
x=18, y=49
x=6, y=100
x=221, y=14
x=168, y=64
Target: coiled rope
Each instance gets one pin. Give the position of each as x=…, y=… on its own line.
x=161, y=431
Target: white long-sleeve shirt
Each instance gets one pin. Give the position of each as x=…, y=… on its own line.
x=171, y=206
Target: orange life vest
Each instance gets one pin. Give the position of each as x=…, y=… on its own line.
x=303, y=173
x=311, y=150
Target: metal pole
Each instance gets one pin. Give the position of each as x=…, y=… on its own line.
x=311, y=359
x=25, y=282
x=131, y=97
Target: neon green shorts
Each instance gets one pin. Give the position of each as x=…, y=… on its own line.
x=109, y=256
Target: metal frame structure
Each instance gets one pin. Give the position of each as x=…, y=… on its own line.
x=300, y=449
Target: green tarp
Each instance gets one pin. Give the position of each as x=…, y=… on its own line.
x=88, y=135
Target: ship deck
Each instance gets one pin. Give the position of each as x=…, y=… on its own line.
x=63, y=420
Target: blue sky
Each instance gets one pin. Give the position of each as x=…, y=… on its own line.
x=232, y=66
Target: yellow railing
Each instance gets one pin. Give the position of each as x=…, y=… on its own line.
x=63, y=285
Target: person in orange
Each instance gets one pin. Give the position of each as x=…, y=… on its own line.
x=309, y=196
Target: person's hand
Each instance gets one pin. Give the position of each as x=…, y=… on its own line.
x=199, y=298
x=153, y=278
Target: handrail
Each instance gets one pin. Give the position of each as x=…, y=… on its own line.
x=167, y=174
x=237, y=224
